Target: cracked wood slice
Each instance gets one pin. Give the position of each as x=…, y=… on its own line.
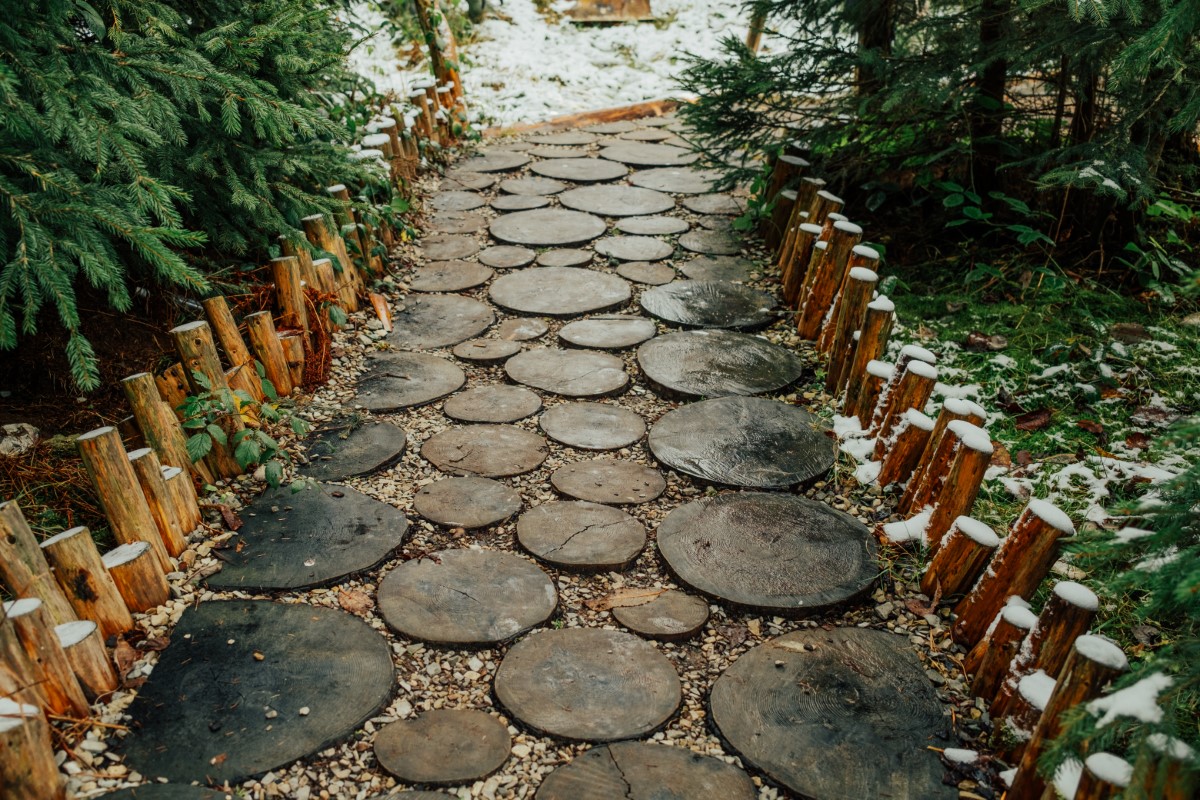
x=714, y=363
x=493, y=451
x=446, y=247
x=559, y=291
x=634, y=248
x=468, y=502
x=570, y=373
x=553, y=151
x=564, y=138
x=547, y=227
x=346, y=448
x=449, y=276
x=486, y=351
x=443, y=746
x=609, y=480
x=496, y=161
x=576, y=534
x=716, y=203
x=406, y=380
x=646, y=273
x=713, y=243
x=522, y=330
x=608, y=332
x=710, y=304
x=519, y=202
x=506, y=256
x=676, y=180
x=457, y=200
x=431, y=321
x=457, y=222
x=581, y=170
x=468, y=180
x=648, y=155
x=721, y=268
x=652, y=226
x=617, y=201
x=493, y=404
x=592, y=426
x=645, y=770
x=565, y=257
x=670, y=617
x=532, y=186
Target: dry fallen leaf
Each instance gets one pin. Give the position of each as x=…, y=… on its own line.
x=232, y=520
x=1138, y=440
x=1091, y=426
x=1000, y=455
x=355, y=601
x=921, y=609
x=218, y=759
x=156, y=643
x=736, y=634
x=124, y=657
x=1024, y=458
x=623, y=598
x=1034, y=420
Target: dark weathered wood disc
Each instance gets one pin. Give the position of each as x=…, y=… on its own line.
x=486, y=351
x=165, y=791
x=710, y=304
x=347, y=447
x=634, y=248
x=467, y=502
x=676, y=180
x=532, y=186
x=616, y=200
x=559, y=291
x=496, y=161
x=497, y=404
x=493, y=451
x=506, y=256
x=609, y=480
x=716, y=203
x=592, y=426
x=671, y=616
x=522, y=330
x=721, y=268
x=587, y=684
x=716, y=223
x=715, y=243
x=652, y=226
x=570, y=373
x=465, y=179
x=449, y=276
x=648, y=155
x=714, y=363
x=466, y=597
x=551, y=151
x=647, y=273
x=565, y=257
x=576, y=534
x=201, y=715
x=646, y=135
x=841, y=714
x=457, y=201
x=438, y=320
x=457, y=222
x=406, y=380
x=443, y=746
x=446, y=247
x=607, y=332
x=547, y=227
x=564, y=138
x=580, y=170
x=744, y=441
x=778, y=553
x=643, y=770
x=519, y=202
x=606, y=128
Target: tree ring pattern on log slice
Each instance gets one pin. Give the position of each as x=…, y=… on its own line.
x=609, y=480
x=406, y=380
x=457, y=222
x=581, y=170
x=457, y=201
x=496, y=161
x=522, y=330
x=608, y=332
x=346, y=448
x=646, y=273
x=744, y=441
x=446, y=247
x=570, y=373
x=616, y=200
x=711, y=223
x=670, y=617
x=714, y=243
x=547, y=227
x=559, y=291
x=443, y=746
x=592, y=426
x=519, y=202
x=432, y=321
x=634, y=248
x=449, y=276
x=676, y=180
x=557, y=151
x=506, y=256
x=652, y=226
x=710, y=304
x=495, y=404
x=486, y=351
x=466, y=597
x=648, y=155
x=493, y=451
x=532, y=186
x=842, y=714
x=470, y=180
x=721, y=268
x=716, y=203
x=714, y=363
x=587, y=684
x=575, y=534
x=565, y=257
x=468, y=502
x=646, y=770
x=564, y=138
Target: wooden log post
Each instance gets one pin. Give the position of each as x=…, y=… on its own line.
x=141, y=584
x=1032, y=695
x=758, y=22
x=957, y=495
x=35, y=630
x=303, y=257
x=908, y=354
x=960, y=560
x=344, y=217
x=20, y=679
x=1021, y=562
x=988, y=660
x=423, y=122
x=293, y=354
x=806, y=190
x=774, y=227
x=934, y=461
x=162, y=506
x=875, y=378
x=131, y=435
x=388, y=126
x=24, y=571
x=908, y=440
x=84, y=648
x=265, y=342
x=289, y=292
x=848, y=319
x=1104, y=777
x=1163, y=769
x=805, y=242
x=240, y=379
x=372, y=264
x=809, y=273
x=182, y=492
x=85, y=581
x=28, y=770
x=827, y=278
x=861, y=258
x=194, y=342
x=225, y=328
x=320, y=235
x=868, y=346
x=1092, y=663
x=912, y=391
x=160, y=427
x=173, y=387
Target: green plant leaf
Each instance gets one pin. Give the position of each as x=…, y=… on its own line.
x=198, y=446
x=217, y=434
x=274, y=473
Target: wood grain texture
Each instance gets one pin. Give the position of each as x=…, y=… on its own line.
x=492, y=451
x=646, y=772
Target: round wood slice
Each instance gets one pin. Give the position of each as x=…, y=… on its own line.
x=506, y=256
x=445, y=247
x=721, y=268
x=717, y=203
x=710, y=304
x=652, y=226
x=565, y=257
x=512, y=144
x=165, y=791
x=643, y=770
x=547, y=227
x=443, y=746
x=570, y=373
x=449, y=276
x=581, y=170
x=559, y=152
x=609, y=480
x=713, y=223
x=522, y=330
x=457, y=201
x=468, y=502
x=777, y=553
x=714, y=363
x=468, y=180
x=532, y=186
x=519, y=202
x=438, y=320
x=406, y=380
x=715, y=243
x=559, y=291
x=646, y=135
x=466, y=597
x=616, y=200
x=457, y=222
x=634, y=248
x=666, y=120
x=647, y=273
x=743, y=441
x=564, y=138
x=581, y=535
x=587, y=684
x=676, y=180
x=607, y=332
x=841, y=714
x=493, y=451
x=671, y=616
x=486, y=351
x=346, y=448
x=496, y=161
x=201, y=715
x=592, y=426
x=621, y=126
x=495, y=404
x=648, y=155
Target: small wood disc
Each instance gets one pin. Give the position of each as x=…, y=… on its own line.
x=634, y=248
x=443, y=747
x=564, y=138
x=465, y=179
x=676, y=180
x=559, y=152
x=652, y=226
x=497, y=404
x=532, y=186
x=457, y=222
x=457, y=201
x=717, y=203
x=406, y=380
x=580, y=170
x=449, y=276
x=570, y=373
x=714, y=243
x=647, y=273
x=648, y=155
x=587, y=684
x=714, y=363
x=671, y=617
x=438, y=320
x=710, y=304
x=522, y=329
x=519, y=202
x=664, y=121
x=469, y=502
x=506, y=256
x=559, y=291
x=493, y=451
x=644, y=770
x=575, y=534
x=592, y=426
x=714, y=223
x=616, y=200
x=607, y=332
x=446, y=247
x=347, y=448
x=164, y=791
x=466, y=597
x=609, y=480
x=646, y=135
x=486, y=351
x=496, y=161
x=565, y=257
x=721, y=268
x=620, y=126
x=547, y=227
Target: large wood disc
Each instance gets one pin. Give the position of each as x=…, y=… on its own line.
x=607, y=332
x=438, y=320
x=609, y=480
x=507, y=256
x=592, y=426
x=547, y=227
x=443, y=746
x=647, y=273
x=457, y=222
x=462, y=179
x=495, y=161
x=522, y=329
x=570, y=373
x=620, y=126
x=493, y=404
x=777, y=553
x=634, y=248
x=715, y=243
x=457, y=201
x=200, y=715
x=581, y=170
x=559, y=291
x=714, y=363
x=532, y=186
x=493, y=451
x=519, y=202
x=164, y=791
x=652, y=226
x=671, y=616
x=841, y=714
x=717, y=203
x=710, y=304
x=676, y=180
x=721, y=268
x=468, y=502
x=617, y=201
x=648, y=155
x=564, y=138
x=486, y=351
x=449, y=276
x=446, y=247
x=554, y=151
x=581, y=535
x=744, y=441
x=466, y=597
x=586, y=684
x=643, y=770
x=565, y=257
x=348, y=447
x=406, y=380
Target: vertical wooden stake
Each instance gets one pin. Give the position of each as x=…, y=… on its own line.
x=194, y=342
x=1031, y=697
x=960, y=560
x=183, y=498
x=909, y=437
x=876, y=374
x=876, y=328
x=1163, y=769
x=269, y=351
x=827, y=276
x=225, y=327
x=173, y=387
x=319, y=233
x=162, y=507
x=1104, y=777
x=27, y=767
x=957, y=495
x=36, y=632
x=289, y=291
x=803, y=243
x=293, y=354
x=774, y=228
x=160, y=427
x=758, y=21
x=84, y=649
x=20, y=679
x=142, y=585
x=85, y=581
x=989, y=659
x=861, y=258
x=908, y=354
x=851, y=311
x=911, y=391
x=23, y=567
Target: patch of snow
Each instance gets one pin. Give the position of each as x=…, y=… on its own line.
x=867, y=473
x=919, y=420
x=1159, y=560
x=1066, y=777
x=882, y=303
x=1019, y=616
x=863, y=275
x=1170, y=746
x=909, y=530
x=918, y=353
x=971, y=436
x=1050, y=372
x=977, y=531
x=1036, y=687
x=1127, y=534
x=866, y=251
x=1077, y=595
x=880, y=369
x=1008, y=775
x=1102, y=650
x=1139, y=701
x=1052, y=515
x=1004, y=362
x=846, y=426
x=956, y=755
x=1111, y=769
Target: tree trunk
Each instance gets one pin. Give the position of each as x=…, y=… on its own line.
x=987, y=112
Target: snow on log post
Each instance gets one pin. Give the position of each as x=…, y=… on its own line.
x=308, y=272
x=35, y=630
x=1021, y=562
x=908, y=354
x=926, y=481
x=1092, y=663
x=346, y=221
x=773, y=228
x=321, y=236
x=988, y=660
x=818, y=262
x=162, y=506
x=84, y=648
x=293, y=354
x=912, y=390
x=875, y=377
x=869, y=346
x=804, y=243
x=85, y=582
x=788, y=170
x=289, y=292
x=24, y=570
x=194, y=342
x=1104, y=776
x=182, y=492
x=908, y=440
x=1031, y=696
x=960, y=560
x=373, y=264
x=806, y=190
x=846, y=314
x=781, y=196
x=141, y=584
x=159, y=425
x=445, y=94
x=423, y=122
x=958, y=492
x=1163, y=769
x=265, y=342
x=120, y=494
x=28, y=769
